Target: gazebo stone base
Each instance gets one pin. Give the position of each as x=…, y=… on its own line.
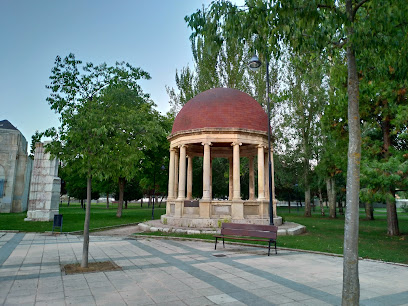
x=196, y=222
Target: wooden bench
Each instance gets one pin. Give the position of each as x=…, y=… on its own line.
x=250, y=232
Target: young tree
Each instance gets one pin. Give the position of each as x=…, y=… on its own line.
x=131, y=127
x=75, y=97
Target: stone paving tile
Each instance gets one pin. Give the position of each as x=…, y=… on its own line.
x=221, y=299
x=19, y=300
x=182, y=272
x=50, y=296
x=80, y=300
x=58, y=302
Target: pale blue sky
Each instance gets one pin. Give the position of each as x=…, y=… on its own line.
x=150, y=34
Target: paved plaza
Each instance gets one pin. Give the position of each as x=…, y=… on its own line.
x=176, y=272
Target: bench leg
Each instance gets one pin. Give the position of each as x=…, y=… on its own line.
x=269, y=248
x=216, y=239
x=276, y=251
x=223, y=243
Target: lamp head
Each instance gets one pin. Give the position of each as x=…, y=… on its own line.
x=254, y=63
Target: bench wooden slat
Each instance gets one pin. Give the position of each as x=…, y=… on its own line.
x=258, y=227
x=248, y=233
x=241, y=238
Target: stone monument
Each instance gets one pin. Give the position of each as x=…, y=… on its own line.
x=45, y=187
x=15, y=169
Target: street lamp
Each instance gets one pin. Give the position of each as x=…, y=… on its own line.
x=254, y=64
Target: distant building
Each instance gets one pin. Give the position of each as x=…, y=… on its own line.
x=15, y=169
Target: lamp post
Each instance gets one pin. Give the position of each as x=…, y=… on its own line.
x=154, y=188
x=254, y=64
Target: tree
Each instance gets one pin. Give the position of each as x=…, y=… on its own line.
x=301, y=107
x=131, y=127
x=80, y=138
x=315, y=26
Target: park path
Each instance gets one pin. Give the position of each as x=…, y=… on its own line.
x=122, y=231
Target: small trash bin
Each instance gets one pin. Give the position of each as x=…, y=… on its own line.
x=57, y=222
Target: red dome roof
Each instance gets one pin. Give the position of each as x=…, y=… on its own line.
x=221, y=108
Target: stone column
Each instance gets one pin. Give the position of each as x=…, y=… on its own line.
x=176, y=173
x=236, y=172
x=206, y=171
x=261, y=173
x=182, y=174
x=251, y=178
x=230, y=180
x=170, y=194
x=190, y=178
x=211, y=178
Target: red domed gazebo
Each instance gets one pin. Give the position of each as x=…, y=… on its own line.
x=226, y=123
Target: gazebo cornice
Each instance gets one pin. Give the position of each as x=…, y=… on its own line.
x=210, y=131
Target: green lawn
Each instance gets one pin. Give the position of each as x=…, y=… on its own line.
x=326, y=235
x=74, y=217
x=323, y=234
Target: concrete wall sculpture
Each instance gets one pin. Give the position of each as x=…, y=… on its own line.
x=45, y=187
x=15, y=169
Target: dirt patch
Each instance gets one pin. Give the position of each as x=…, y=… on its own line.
x=92, y=267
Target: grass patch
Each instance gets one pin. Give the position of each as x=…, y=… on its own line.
x=326, y=235
x=323, y=234
x=74, y=217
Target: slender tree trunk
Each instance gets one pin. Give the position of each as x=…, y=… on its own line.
x=289, y=204
x=85, y=249
x=121, y=192
x=126, y=201
x=69, y=200
x=321, y=202
x=141, y=201
x=107, y=200
x=331, y=196
x=369, y=211
x=161, y=200
x=308, y=211
x=392, y=220
x=341, y=212
x=351, y=283
x=82, y=204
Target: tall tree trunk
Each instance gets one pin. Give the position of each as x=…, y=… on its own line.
x=289, y=205
x=69, y=200
x=82, y=204
x=341, y=212
x=141, y=201
x=107, y=200
x=85, y=249
x=331, y=196
x=121, y=192
x=369, y=211
x=308, y=211
x=321, y=202
x=126, y=201
x=351, y=283
x=392, y=220
x=161, y=200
